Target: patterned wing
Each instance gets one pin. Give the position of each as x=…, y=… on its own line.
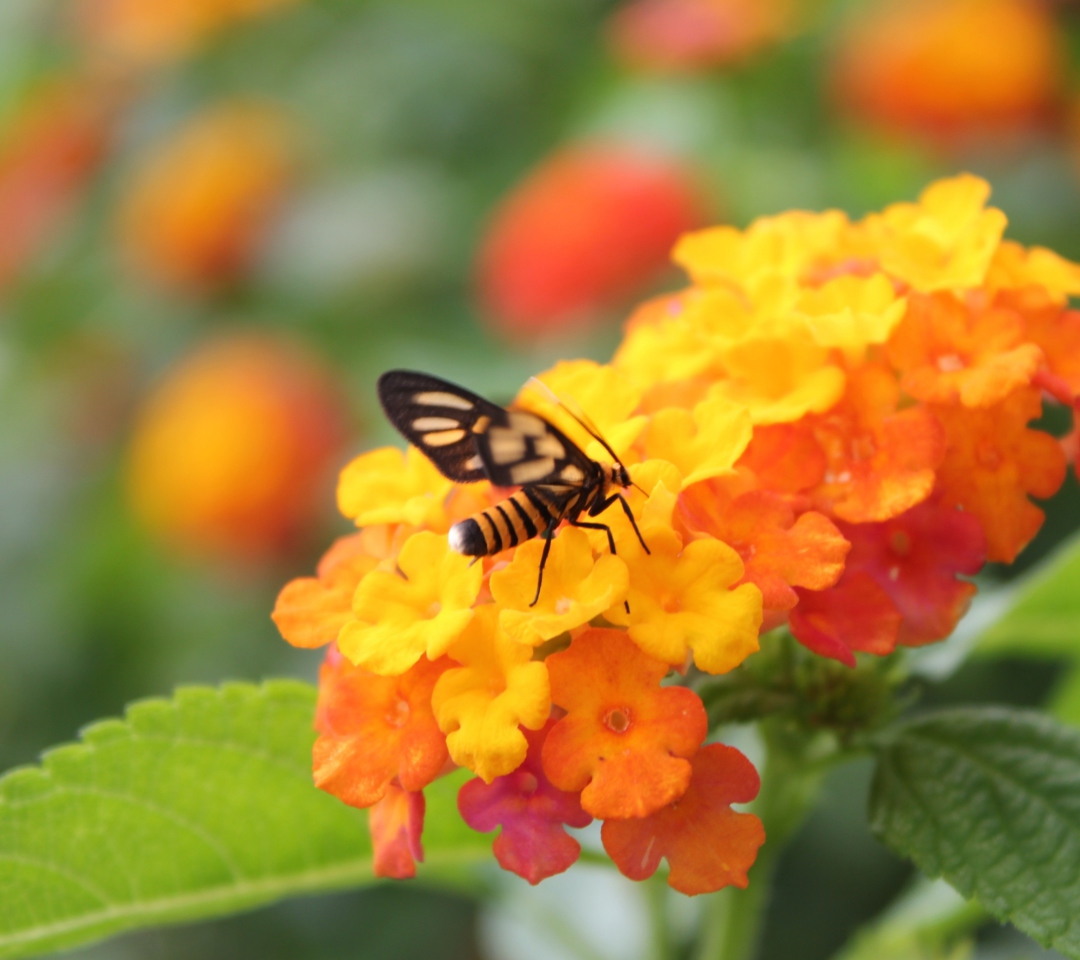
x=522, y=448
x=440, y=419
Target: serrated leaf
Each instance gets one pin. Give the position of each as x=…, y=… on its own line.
x=989, y=799
x=1042, y=615
x=189, y=808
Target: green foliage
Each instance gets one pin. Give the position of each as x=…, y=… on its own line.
x=188, y=808
x=1042, y=617
x=989, y=799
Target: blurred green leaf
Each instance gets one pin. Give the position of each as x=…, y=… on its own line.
x=188, y=808
x=989, y=799
x=1042, y=610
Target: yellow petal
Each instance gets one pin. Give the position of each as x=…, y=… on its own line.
x=422, y=610
x=389, y=486
x=576, y=588
x=702, y=444
x=482, y=704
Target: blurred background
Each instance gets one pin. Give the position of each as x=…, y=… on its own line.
x=220, y=220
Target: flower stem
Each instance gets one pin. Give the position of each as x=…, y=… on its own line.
x=791, y=781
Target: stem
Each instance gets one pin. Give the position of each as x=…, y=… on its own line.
x=790, y=784
x=732, y=923
x=661, y=947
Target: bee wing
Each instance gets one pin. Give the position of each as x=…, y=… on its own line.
x=440, y=419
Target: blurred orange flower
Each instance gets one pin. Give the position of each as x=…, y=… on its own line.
x=233, y=450
x=201, y=201
x=684, y=36
x=151, y=32
x=950, y=68
x=588, y=228
x=48, y=151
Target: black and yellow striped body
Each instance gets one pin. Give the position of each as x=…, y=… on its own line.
x=520, y=517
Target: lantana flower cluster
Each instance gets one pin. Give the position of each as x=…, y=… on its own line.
x=830, y=429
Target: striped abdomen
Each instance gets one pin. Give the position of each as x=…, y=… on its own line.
x=516, y=519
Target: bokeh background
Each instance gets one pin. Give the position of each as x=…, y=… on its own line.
x=220, y=220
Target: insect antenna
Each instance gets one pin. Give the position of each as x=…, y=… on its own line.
x=576, y=412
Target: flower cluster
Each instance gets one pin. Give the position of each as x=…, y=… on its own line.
x=829, y=429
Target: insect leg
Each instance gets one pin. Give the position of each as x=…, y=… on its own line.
x=547, y=535
x=601, y=505
x=610, y=540
x=597, y=526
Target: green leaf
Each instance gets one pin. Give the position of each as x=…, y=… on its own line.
x=1042, y=610
x=188, y=808
x=989, y=799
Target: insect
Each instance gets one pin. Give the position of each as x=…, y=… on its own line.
x=469, y=438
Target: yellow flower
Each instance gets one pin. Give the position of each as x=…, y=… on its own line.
x=780, y=379
x=784, y=246
x=605, y=395
x=389, y=486
x=576, y=588
x=703, y=443
x=681, y=600
x=1015, y=267
x=671, y=349
x=943, y=242
x=400, y=617
x=482, y=704
x=850, y=313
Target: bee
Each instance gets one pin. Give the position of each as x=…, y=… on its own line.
x=469, y=438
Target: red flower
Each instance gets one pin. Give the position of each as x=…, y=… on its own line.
x=531, y=812
x=855, y=615
x=588, y=228
x=916, y=559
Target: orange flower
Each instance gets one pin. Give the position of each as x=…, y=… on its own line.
x=310, y=611
x=201, y=202
x=707, y=845
x=150, y=33
x=625, y=741
x=374, y=730
x=232, y=451
x=951, y=68
x=778, y=551
x=585, y=230
x=994, y=462
x=880, y=462
x=396, y=823
x=684, y=36
x=969, y=351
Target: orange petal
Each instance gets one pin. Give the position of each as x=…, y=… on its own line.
x=310, y=611
x=994, y=462
x=625, y=739
x=396, y=823
x=374, y=729
x=707, y=845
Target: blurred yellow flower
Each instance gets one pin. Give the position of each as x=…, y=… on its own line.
x=850, y=313
x=482, y=704
x=231, y=453
x=945, y=241
x=422, y=609
x=199, y=204
x=147, y=33
x=389, y=485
